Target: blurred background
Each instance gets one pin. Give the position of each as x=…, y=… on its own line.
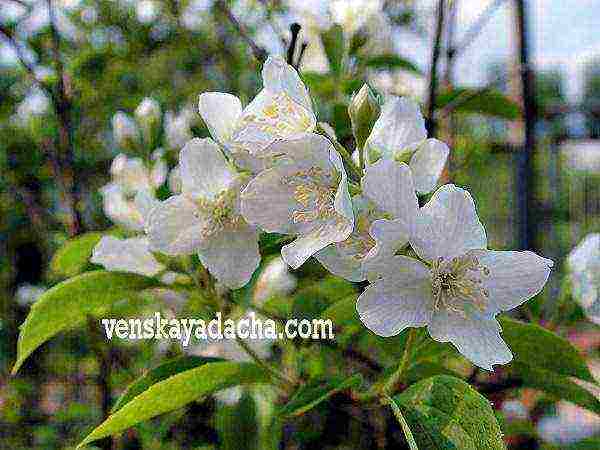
x=513, y=86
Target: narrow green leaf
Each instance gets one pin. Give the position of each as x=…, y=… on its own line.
x=237, y=425
x=444, y=412
x=392, y=62
x=69, y=304
x=488, y=102
x=333, y=43
x=556, y=386
x=74, y=256
x=404, y=424
x=315, y=392
x=160, y=373
x=535, y=346
x=177, y=391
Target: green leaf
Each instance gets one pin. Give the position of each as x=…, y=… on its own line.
x=446, y=413
x=535, y=346
x=390, y=61
x=74, y=256
x=557, y=386
x=177, y=391
x=315, y=392
x=404, y=424
x=488, y=102
x=160, y=373
x=333, y=43
x=69, y=304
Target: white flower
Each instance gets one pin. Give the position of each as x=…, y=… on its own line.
x=384, y=218
x=28, y=293
x=125, y=130
x=148, y=115
x=459, y=289
x=353, y=14
x=281, y=109
x=126, y=255
x=178, y=128
x=584, y=271
x=274, y=280
x=130, y=195
x=305, y=195
x=205, y=217
x=400, y=134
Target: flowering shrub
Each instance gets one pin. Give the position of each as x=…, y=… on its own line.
x=271, y=188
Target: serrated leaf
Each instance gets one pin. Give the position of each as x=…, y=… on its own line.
x=69, y=304
x=444, y=412
x=315, y=392
x=391, y=61
x=489, y=102
x=333, y=43
x=538, y=347
x=556, y=386
x=177, y=391
x=160, y=373
x=74, y=256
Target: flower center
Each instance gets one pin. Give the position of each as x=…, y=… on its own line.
x=457, y=285
x=221, y=213
x=315, y=191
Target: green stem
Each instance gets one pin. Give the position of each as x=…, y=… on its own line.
x=257, y=359
x=354, y=171
x=396, y=377
x=361, y=158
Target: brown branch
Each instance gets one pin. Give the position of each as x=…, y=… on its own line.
x=433, y=76
x=63, y=109
x=259, y=53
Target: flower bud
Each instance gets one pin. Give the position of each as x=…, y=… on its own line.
x=125, y=130
x=363, y=111
x=148, y=115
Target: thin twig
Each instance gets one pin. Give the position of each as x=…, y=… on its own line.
x=433, y=76
x=259, y=53
x=396, y=377
x=269, y=368
x=29, y=68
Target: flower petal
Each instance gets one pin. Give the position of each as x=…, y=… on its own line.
x=390, y=186
x=427, y=164
x=477, y=338
x=126, y=255
x=400, y=127
x=232, y=256
x=221, y=112
x=390, y=236
x=119, y=209
x=278, y=76
x=448, y=225
x=514, y=277
x=342, y=202
x=306, y=245
x=341, y=264
x=204, y=170
x=388, y=306
x=267, y=202
x=175, y=226
x=144, y=202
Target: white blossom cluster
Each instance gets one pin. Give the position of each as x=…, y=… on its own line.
x=264, y=169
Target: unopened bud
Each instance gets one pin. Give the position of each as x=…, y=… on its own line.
x=125, y=130
x=148, y=115
x=364, y=110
